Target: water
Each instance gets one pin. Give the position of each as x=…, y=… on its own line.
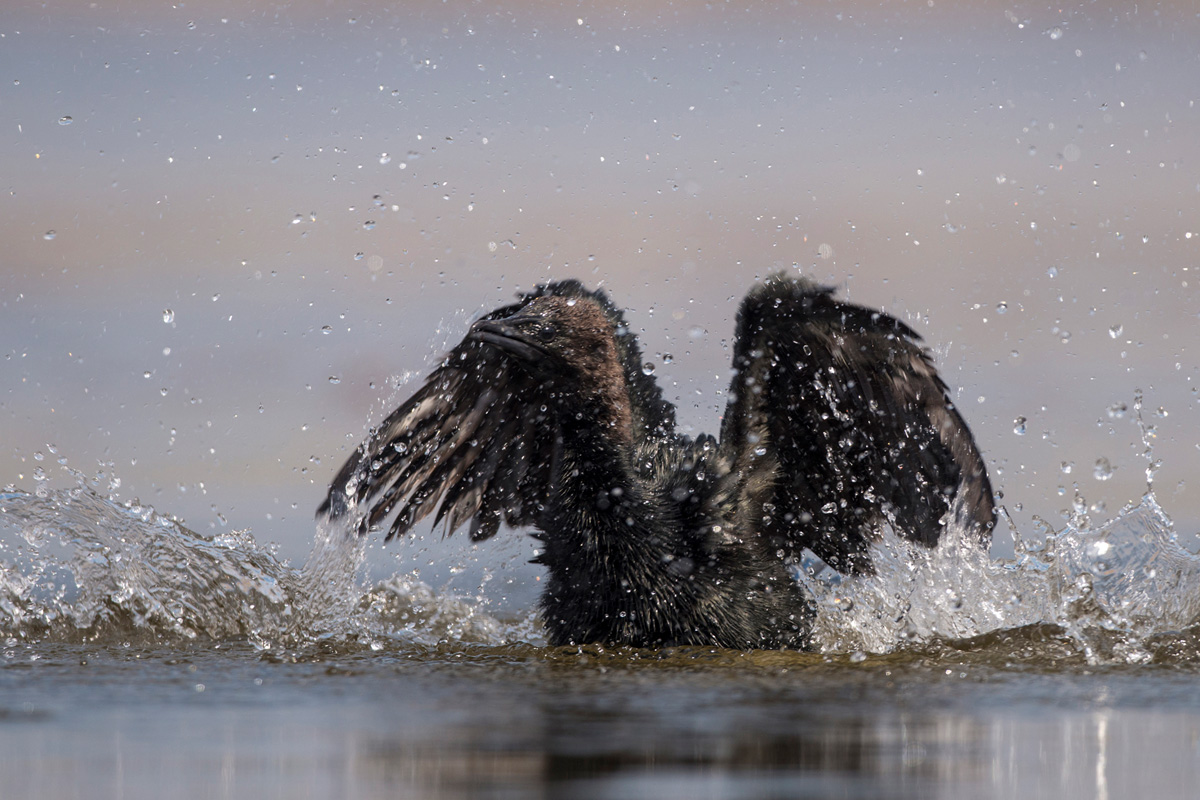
x=83, y=568
x=141, y=659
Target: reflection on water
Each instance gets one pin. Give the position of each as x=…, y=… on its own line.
x=872, y=755
x=519, y=722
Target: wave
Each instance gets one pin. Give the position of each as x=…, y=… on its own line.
x=77, y=566
x=1114, y=590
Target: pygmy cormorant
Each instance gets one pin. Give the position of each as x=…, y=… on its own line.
x=837, y=424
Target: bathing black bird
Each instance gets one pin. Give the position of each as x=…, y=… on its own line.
x=837, y=425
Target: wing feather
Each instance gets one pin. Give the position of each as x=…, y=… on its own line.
x=455, y=439
x=839, y=423
x=479, y=436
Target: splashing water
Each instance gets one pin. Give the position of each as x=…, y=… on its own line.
x=78, y=566
x=1110, y=589
x=84, y=567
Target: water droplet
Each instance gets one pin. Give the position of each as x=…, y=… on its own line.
x=1019, y=426
x=65, y=120
x=1001, y=307
x=1116, y=330
x=384, y=158
x=648, y=368
x=168, y=316
x=1066, y=467
x=956, y=601
x=829, y=508
x=334, y=379
x=1079, y=505
x=326, y=329
x=1117, y=410
x=369, y=225
x=1103, y=469
x=49, y=235
x=1055, y=33
x=667, y=358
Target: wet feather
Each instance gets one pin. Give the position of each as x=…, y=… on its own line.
x=837, y=426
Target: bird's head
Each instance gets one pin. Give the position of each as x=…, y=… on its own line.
x=569, y=343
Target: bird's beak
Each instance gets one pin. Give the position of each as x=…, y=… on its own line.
x=503, y=334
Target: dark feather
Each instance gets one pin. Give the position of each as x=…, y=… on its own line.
x=476, y=432
x=850, y=423
x=543, y=417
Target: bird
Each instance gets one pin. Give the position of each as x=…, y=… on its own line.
x=837, y=425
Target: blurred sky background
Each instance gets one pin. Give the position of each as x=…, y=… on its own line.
x=233, y=231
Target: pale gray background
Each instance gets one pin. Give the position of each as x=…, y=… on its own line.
x=324, y=194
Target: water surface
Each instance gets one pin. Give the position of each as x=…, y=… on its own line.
x=516, y=721
x=144, y=660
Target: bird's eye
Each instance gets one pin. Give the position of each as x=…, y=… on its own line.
x=546, y=333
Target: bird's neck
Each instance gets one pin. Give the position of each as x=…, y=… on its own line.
x=604, y=537
x=596, y=492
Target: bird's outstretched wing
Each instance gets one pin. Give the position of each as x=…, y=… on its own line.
x=838, y=423
x=480, y=436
